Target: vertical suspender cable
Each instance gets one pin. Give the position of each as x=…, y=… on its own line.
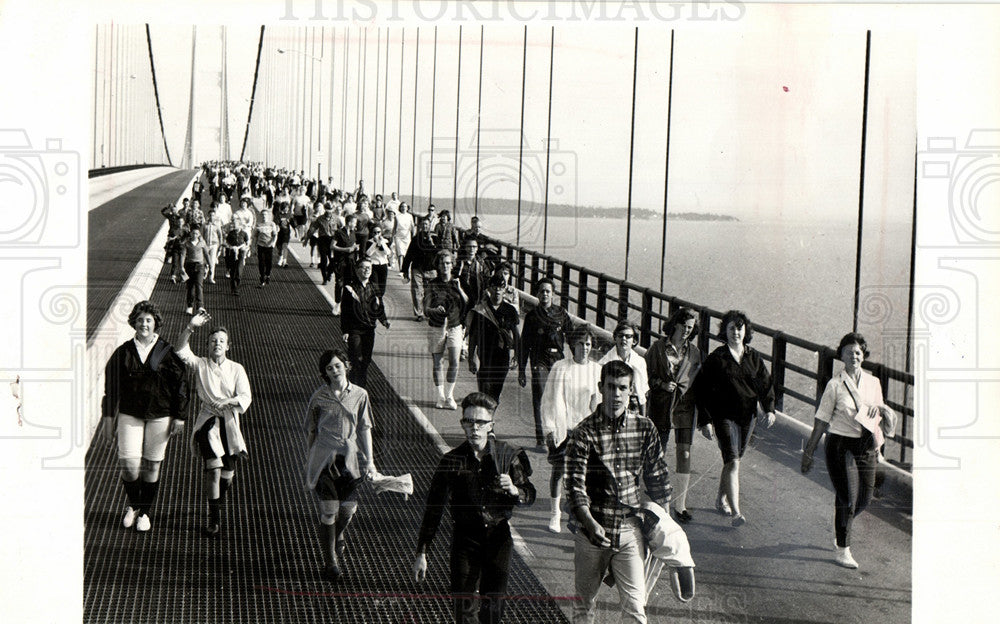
x=434, y=69
x=333, y=71
x=97, y=110
x=378, y=85
x=458, y=107
x=413, y=160
x=253, y=91
x=226, y=148
x=479, y=116
x=343, y=117
x=112, y=97
x=359, y=153
x=363, y=104
x=520, y=149
x=319, y=116
x=307, y=142
x=908, y=365
x=385, y=107
x=631, y=153
x=548, y=143
x=399, y=134
x=861, y=185
x=666, y=168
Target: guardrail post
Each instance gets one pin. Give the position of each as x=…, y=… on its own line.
x=602, y=300
x=824, y=371
x=582, y=293
x=519, y=268
x=778, y=348
x=564, y=287
x=646, y=321
x=550, y=268
x=534, y=269
x=705, y=323
x=622, y=303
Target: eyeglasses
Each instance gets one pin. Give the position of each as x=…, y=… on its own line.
x=629, y=336
x=476, y=424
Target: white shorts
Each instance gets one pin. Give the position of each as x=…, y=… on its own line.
x=143, y=439
x=440, y=338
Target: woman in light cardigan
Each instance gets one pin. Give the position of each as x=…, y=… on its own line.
x=571, y=394
x=856, y=421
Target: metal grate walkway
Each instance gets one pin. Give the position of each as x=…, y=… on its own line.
x=119, y=233
x=265, y=567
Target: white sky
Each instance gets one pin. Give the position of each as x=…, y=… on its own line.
x=766, y=119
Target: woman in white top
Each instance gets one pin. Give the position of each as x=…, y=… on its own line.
x=224, y=391
x=856, y=421
x=402, y=233
x=570, y=395
x=627, y=336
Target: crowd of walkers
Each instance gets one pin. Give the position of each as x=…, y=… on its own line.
x=604, y=422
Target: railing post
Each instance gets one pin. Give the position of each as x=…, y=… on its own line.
x=519, y=268
x=646, y=321
x=622, y=303
x=602, y=300
x=778, y=348
x=824, y=371
x=705, y=322
x=550, y=271
x=564, y=287
x=534, y=268
x=581, y=296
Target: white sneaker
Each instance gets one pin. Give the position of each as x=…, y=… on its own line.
x=555, y=524
x=142, y=523
x=189, y=311
x=442, y=403
x=452, y=405
x=844, y=558
x=129, y=518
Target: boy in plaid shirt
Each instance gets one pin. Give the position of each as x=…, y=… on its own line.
x=605, y=455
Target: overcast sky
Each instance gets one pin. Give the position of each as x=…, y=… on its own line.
x=766, y=120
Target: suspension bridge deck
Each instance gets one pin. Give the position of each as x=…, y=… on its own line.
x=778, y=568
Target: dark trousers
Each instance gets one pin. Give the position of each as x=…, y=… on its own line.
x=539, y=375
x=483, y=560
x=234, y=264
x=492, y=372
x=418, y=283
x=195, y=297
x=360, y=344
x=851, y=463
x=265, y=258
x=380, y=273
x=325, y=257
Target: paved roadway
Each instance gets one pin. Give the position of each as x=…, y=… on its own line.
x=777, y=568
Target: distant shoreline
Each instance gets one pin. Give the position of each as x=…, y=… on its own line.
x=489, y=206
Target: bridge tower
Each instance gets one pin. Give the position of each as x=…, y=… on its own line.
x=207, y=136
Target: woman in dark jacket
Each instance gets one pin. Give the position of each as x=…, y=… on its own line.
x=672, y=363
x=732, y=381
x=145, y=397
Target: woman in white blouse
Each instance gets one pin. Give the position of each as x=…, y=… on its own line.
x=571, y=394
x=224, y=391
x=856, y=421
x=626, y=336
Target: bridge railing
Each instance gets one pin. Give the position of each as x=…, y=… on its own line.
x=800, y=368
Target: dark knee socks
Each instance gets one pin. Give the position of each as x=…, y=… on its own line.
x=146, y=494
x=132, y=489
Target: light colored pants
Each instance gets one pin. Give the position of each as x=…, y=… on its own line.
x=143, y=439
x=626, y=563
